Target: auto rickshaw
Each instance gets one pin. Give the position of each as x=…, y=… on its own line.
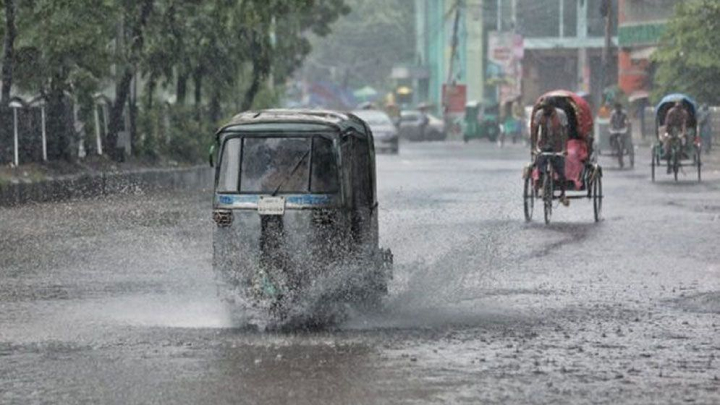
x=481, y=121
x=583, y=176
x=687, y=154
x=296, y=212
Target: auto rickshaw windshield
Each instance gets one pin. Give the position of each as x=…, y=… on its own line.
x=278, y=165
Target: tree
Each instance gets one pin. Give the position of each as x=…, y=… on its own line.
x=275, y=33
x=688, y=57
x=8, y=50
x=223, y=51
x=130, y=40
x=366, y=44
x=62, y=50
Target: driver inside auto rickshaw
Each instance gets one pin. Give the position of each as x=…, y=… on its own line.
x=676, y=122
x=552, y=139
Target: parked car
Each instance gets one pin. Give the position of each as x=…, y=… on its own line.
x=383, y=129
x=411, y=127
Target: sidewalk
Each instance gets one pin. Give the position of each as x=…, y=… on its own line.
x=60, y=181
x=88, y=166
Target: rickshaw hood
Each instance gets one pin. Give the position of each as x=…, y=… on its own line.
x=675, y=97
x=580, y=105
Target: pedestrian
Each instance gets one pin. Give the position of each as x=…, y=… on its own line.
x=705, y=123
x=619, y=123
x=424, y=120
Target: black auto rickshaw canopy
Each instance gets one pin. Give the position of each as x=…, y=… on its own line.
x=352, y=136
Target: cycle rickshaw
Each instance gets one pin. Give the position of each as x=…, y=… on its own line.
x=583, y=175
x=682, y=153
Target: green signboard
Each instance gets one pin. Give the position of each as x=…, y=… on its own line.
x=641, y=34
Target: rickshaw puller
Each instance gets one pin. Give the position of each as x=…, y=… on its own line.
x=552, y=139
x=676, y=121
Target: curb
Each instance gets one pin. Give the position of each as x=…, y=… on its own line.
x=103, y=184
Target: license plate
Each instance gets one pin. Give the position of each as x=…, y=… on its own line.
x=271, y=206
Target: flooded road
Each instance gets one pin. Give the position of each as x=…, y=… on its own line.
x=112, y=301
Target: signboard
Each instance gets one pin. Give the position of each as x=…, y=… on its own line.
x=505, y=53
x=640, y=34
x=455, y=98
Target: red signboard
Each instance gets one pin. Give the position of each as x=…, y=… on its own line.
x=455, y=98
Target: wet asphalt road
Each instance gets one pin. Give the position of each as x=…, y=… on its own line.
x=112, y=301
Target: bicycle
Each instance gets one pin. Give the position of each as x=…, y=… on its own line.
x=547, y=182
x=619, y=145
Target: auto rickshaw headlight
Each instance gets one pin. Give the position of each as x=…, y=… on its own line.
x=223, y=218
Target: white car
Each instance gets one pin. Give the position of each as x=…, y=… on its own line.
x=411, y=127
x=384, y=131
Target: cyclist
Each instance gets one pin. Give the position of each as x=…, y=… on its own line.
x=618, y=129
x=550, y=129
x=676, y=122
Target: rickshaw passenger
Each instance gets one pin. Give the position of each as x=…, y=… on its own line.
x=553, y=139
x=676, y=122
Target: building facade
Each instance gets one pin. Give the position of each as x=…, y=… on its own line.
x=563, y=43
x=641, y=26
x=449, y=50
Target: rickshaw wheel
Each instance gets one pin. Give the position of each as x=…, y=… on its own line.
x=676, y=164
x=653, y=152
x=548, y=191
x=528, y=199
x=631, y=153
x=597, y=197
x=699, y=163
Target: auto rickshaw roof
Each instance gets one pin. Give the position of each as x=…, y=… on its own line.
x=335, y=121
x=580, y=109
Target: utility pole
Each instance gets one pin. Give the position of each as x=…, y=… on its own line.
x=606, y=10
x=449, y=87
x=455, y=42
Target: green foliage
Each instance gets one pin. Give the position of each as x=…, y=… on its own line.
x=221, y=51
x=689, y=56
x=188, y=139
x=63, y=45
x=366, y=44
